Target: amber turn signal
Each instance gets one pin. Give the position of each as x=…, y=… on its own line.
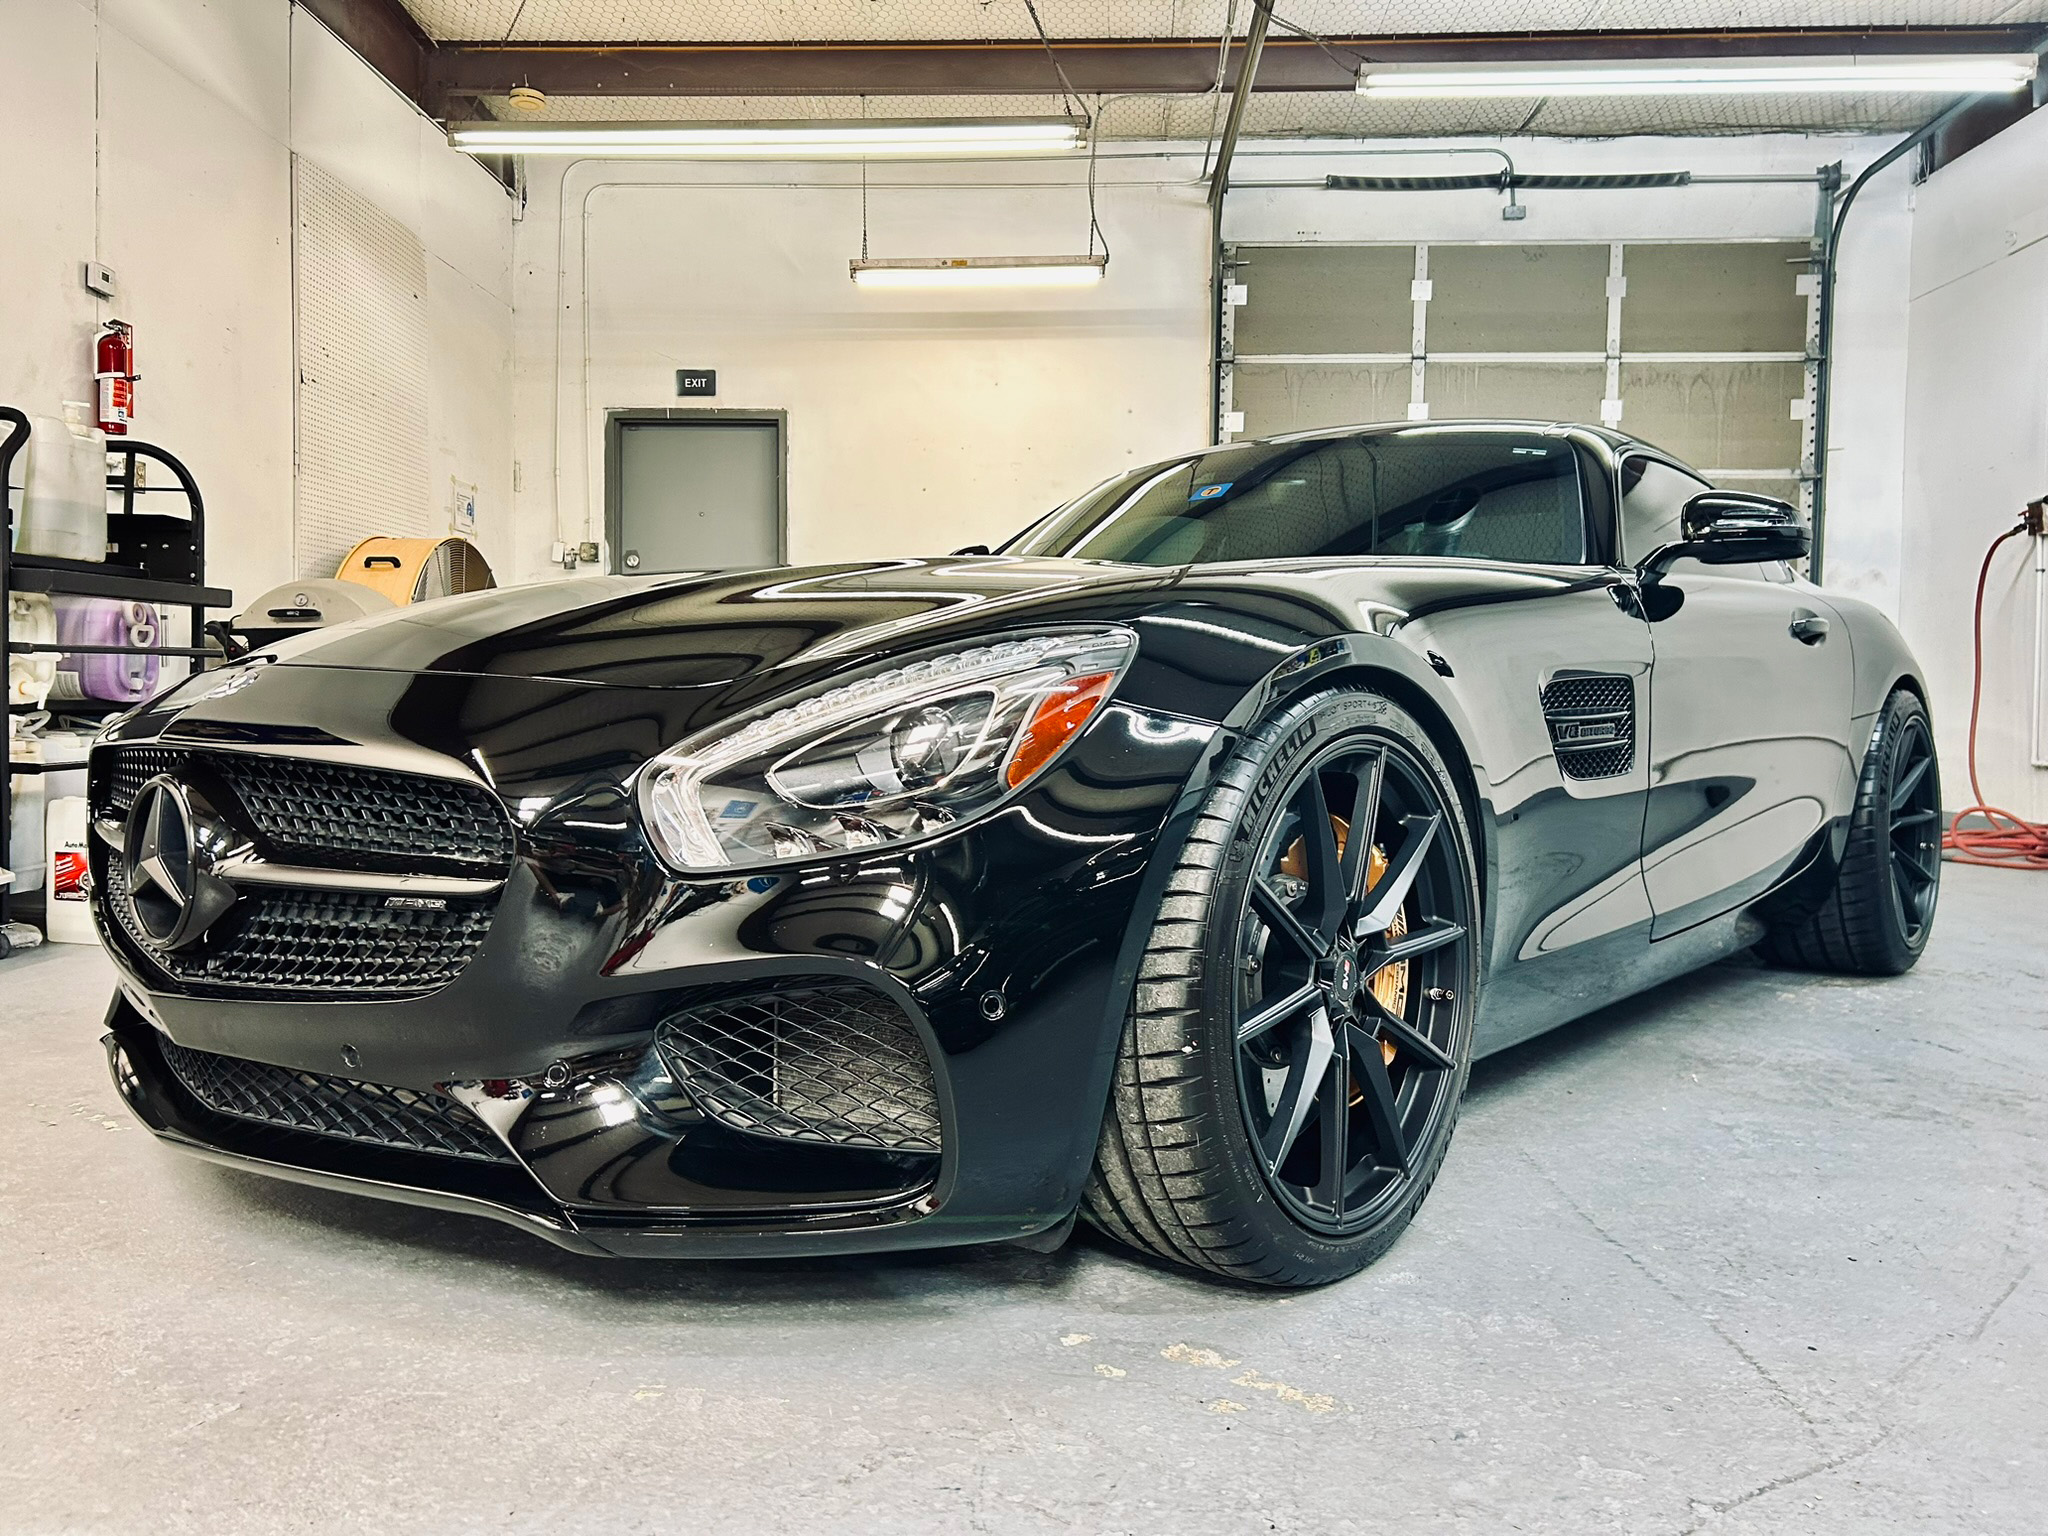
x=1059, y=714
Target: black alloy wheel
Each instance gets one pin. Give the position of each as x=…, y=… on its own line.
x=1297, y=1049
x=1353, y=951
x=1872, y=914
x=1913, y=803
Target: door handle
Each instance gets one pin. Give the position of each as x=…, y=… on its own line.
x=1809, y=629
x=632, y=560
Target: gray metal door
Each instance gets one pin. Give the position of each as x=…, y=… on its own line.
x=693, y=494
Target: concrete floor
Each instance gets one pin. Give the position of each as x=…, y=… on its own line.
x=1757, y=1252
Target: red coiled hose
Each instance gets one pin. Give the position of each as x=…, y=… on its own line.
x=2003, y=841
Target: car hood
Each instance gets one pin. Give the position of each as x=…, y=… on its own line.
x=696, y=631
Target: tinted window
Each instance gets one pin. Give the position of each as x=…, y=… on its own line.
x=1653, y=498
x=1478, y=495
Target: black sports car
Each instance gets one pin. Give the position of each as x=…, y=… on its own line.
x=1169, y=865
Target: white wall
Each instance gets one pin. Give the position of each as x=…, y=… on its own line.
x=157, y=135
x=918, y=422
x=1976, y=404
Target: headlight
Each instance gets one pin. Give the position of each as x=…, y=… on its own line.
x=899, y=752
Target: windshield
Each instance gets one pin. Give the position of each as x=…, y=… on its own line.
x=1482, y=495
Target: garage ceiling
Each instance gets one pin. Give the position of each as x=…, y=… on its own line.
x=873, y=21
x=677, y=59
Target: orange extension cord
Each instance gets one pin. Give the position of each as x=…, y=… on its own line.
x=2003, y=841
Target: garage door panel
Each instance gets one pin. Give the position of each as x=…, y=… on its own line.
x=1518, y=298
x=1297, y=397
x=1717, y=415
x=1326, y=299
x=1518, y=391
x=1714, y=298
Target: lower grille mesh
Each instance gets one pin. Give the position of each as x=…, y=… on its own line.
x=839, y=1064
x=405, y=1118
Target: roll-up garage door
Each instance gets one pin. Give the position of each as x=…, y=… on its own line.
x=1699, y=347
x=360, y=295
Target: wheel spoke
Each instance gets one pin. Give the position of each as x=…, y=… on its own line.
x=1420, y=941
x=1281, y=917
x=1334, y=1106
x=1406, y=1037
x=1913, y=819
x=1271, y=1013
x=1903, y=860
x=1902, y=792
x=1365, y=809
x=1384, y=899
x=1325, y=877
x=1298, y=1094
x=1369, y=1070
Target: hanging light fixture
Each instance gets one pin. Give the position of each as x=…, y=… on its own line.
x=1943, y=74
x=979, y=271
x=853, y=138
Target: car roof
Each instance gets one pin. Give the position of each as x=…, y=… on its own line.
x=1462, y=424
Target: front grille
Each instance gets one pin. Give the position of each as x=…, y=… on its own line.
x=1592, y=720
x=838, y=1063
x=405, y=1118
x=128, y=769
x=304, y=941
x=335, y=814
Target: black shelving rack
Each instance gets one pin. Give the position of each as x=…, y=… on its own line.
x=180, y=583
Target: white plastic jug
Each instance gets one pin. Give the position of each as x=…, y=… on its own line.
x=31, y=620
x=68, y=913
x=62, y=506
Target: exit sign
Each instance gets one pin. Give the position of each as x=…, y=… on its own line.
x=696, y=381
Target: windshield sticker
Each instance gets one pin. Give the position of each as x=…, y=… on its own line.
x=1210, y=492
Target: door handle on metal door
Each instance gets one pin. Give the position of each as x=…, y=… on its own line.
x=632, y=560
x=1808, y=628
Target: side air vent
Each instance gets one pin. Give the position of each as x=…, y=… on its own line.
x=1592, y=719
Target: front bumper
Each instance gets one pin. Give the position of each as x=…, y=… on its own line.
x=507, y=1193
x=1006, y=948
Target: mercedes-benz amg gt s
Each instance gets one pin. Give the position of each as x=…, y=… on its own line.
x=1168, y=865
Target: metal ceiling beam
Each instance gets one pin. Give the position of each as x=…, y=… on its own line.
x=388, y=39
x=456, y=70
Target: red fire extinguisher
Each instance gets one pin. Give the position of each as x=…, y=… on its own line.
x=114, y=367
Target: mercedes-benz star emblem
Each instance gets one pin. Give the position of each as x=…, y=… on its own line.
x=174, y=892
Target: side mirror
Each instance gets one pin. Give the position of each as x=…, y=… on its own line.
x=1732, y=528
x=973, y=549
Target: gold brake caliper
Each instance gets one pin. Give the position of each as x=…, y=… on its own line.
x=1389, y=985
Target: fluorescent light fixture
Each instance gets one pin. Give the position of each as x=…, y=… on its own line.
x=980, y=271
x=1945, y=74
x=852, y=138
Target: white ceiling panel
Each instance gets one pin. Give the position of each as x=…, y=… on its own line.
x=868, y=21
